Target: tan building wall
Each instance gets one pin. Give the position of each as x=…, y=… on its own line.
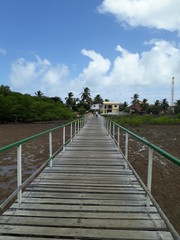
x=110, y=107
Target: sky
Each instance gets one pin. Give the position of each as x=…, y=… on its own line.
x=116, y=48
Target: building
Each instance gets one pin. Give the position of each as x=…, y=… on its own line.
x=97, y=107
x=111, y=108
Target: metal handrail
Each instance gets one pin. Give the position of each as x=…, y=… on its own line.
x=149, y=144
x=78, y=124
x=10, y=146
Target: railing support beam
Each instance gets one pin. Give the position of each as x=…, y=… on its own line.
x=19, y=172
x=71, y=132
x=64, y=137
x=126, y=150
x=50, y=148
x=149, y=177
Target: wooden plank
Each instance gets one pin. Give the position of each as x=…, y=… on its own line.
x=85, y=195
x=86, y=233
x=85, y=223
x=102, y=202
x=55, y=207
x=87, y=215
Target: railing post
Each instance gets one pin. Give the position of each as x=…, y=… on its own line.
x=64, y=137
x=50, y=147
x=118, y=138
x=19, y=172
x=113, y=131
x=110, y=128
x=78, y=125
x=126, y=150
x=75, y=130
x=71, y=132
x=149, y=178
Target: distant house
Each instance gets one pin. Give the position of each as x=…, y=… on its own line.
x=135, y=108
x=111, y=108
x=97, y=107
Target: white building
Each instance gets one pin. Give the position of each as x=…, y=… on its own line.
x=97, y=107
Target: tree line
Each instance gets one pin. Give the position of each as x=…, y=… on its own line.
x=17, y=107
x=137, y=106
x=83, y=103
x=144, y=107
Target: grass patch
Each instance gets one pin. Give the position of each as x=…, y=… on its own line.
x=137, y=120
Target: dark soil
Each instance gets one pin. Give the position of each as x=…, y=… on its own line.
x=166, y=175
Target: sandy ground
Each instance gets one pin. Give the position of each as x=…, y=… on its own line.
x=166, y=176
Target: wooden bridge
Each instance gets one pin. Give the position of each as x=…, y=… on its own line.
x=87, y=194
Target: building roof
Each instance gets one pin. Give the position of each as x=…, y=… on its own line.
x=111, y=103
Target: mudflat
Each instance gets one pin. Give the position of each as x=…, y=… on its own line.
x=166, y=175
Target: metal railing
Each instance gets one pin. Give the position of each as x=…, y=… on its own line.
x=78, y=124
x=114, y=129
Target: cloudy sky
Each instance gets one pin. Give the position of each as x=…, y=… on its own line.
x=114, y=47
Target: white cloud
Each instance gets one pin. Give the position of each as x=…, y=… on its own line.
x=148, y=74
x=31, y=76
x=96, y=70
x=2, y=51
x=161, y=14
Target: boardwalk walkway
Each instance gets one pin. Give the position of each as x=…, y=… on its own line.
x=87, y=194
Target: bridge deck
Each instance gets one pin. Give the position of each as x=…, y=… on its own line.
x=87, y=194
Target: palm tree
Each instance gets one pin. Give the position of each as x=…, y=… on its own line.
x=69, y=100
x=164, y=105
x=135, y=99
x=85, y=95
x=39, y=94
x=144, y=105
x=86, y=98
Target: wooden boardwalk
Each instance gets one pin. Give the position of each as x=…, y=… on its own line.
x=87, y=194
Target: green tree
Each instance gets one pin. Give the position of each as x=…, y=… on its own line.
x=135, y=99
x=177, y=107
x=165, y=105
x=86, y=98
x=98, y=99
x=144, y=105
x=39, y=94
x=69, y=100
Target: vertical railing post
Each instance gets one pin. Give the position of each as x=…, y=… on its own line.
x=50, y=148
x=110, y=128
x=19, y=172
x=64, y=137
x=75, y=129
x=113, y=131
x=149, y=177
x=126, y=150
x=78, y=125
x=118, y=139
x=71, y=132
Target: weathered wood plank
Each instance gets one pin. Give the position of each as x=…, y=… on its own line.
x=86, y=233
x=87, y=215
x=85, y=223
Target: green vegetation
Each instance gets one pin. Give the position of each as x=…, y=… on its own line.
x=17, y=107
x=137, y=120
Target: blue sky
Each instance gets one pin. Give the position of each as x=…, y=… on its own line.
x=114, y=47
